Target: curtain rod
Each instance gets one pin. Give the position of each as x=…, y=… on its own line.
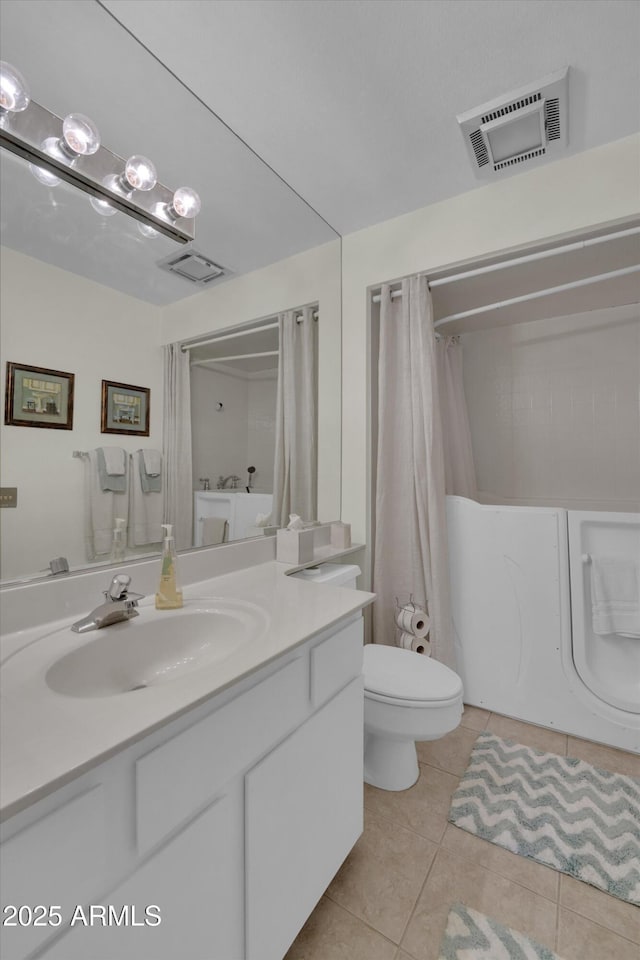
x=527, y=258
x=536, y=295
x=185, y=347
x=237, y=356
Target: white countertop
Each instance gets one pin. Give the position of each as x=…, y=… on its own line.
x=48, y=738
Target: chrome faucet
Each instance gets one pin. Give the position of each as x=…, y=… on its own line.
x=119, y=605
x=222, y=481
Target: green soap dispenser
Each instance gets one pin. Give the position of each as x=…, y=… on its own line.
x=169, y=595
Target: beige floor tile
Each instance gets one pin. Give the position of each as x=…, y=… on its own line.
x=423, y=808
x=537, y=737
x=623, y=918
x=522, y=870
x=581, y=939
x=475, y=717
x=453, y=878
x=383, y=875
x=332, y=933
x=401, y=955
x=450, y=753
x=618, y=761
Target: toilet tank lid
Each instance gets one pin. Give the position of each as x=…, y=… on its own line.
x=334, y=573
x=405, y=675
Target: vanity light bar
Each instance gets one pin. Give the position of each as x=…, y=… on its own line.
x=33, y=133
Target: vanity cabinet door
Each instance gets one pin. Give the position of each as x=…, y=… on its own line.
x=303, y=814
x=196, y=882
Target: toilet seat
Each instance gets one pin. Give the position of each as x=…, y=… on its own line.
x=402, y=677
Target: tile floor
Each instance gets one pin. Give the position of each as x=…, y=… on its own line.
x=391, y=897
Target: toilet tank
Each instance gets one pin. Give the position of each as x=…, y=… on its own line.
x=335, y=574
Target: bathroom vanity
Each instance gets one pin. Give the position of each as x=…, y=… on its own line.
x=199, y=817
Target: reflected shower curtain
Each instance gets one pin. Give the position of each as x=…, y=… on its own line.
x=410, y=538
x=295, y=465
x=459, y=470
x=177, y=479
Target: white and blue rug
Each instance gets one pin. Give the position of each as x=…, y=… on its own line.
x=472, y=934
x=557, y=810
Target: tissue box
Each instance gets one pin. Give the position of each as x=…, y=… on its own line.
x=341, y=535
x=294, y=546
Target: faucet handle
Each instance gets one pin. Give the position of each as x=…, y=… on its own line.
x=118, y=587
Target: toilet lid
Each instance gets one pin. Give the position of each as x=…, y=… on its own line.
x=405, y=675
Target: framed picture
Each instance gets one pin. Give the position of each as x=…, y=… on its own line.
x=38, y=397
x=125, y=408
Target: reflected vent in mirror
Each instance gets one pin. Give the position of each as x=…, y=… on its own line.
x=193, y=266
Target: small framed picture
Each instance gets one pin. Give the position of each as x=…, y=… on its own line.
x=125, y=408
x=38, y=397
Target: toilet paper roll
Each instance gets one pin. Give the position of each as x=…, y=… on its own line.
x=418, y=644
x=412, y=620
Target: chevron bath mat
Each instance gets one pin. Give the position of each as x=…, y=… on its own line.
x=472, y=934
x=557, y=810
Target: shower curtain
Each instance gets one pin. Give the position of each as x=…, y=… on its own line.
x=410, y=537
x=295, y=465
x=177, y=479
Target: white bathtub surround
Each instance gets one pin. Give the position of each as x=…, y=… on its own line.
x=459, y=469
x=522, y=615
x=176, y=462
x=296, y=456
x=410, y=544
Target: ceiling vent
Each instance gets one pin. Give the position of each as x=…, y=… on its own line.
x=515, y=130
x=193, y=266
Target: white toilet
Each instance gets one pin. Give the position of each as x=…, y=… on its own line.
x=407, y=697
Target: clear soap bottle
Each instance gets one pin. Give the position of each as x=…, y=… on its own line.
x=169, y=595
x=118, y=543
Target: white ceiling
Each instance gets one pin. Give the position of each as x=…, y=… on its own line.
x=351, y=104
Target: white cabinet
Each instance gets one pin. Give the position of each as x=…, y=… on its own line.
x=230, y=820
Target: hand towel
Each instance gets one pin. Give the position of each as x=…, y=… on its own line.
x=151, y=482
x=145, y=509
x=214, y=530
x=152, y=462
x=101, y=509
x=111, y=468
x=615, y=596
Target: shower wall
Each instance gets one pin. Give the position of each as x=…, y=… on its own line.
x=554, y=410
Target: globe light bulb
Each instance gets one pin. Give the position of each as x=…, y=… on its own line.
x=80, y=137
x=103, y=207
x=44, y=176
x=140, y=173
x=14, y=93
x=185, y=203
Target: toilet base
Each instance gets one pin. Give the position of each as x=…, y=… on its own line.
x=390, y=764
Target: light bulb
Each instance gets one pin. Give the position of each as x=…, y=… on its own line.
x=44, y=176
x=185, y=203
x=14, y=93
x=80, y=137
x=140, y=173
x=103, y=207
x=147, y=231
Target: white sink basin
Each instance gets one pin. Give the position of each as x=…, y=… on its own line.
x=154, y=648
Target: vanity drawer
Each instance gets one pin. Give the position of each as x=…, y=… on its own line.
x=206, y=756
x=335, y=661
x=58, y=860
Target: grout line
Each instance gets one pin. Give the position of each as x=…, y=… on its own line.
x=362, y=920
x=581, y=916
x=417, y=901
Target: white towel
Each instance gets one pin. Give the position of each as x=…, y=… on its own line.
x=114, y=460
x=214, y=530
x=101, y=510
x=145, y=509
x=152, y=462
x=615, y=596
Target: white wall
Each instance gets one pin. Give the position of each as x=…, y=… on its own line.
x=553, y=410
x=55, y=319
x=219, y=439
x=596, y=187
x=261, y=432
x=309, y=277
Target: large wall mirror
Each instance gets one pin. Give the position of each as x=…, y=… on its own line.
x=89, y=295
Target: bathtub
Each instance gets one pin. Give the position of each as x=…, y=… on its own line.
x=239, y=509
x=521, y=603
